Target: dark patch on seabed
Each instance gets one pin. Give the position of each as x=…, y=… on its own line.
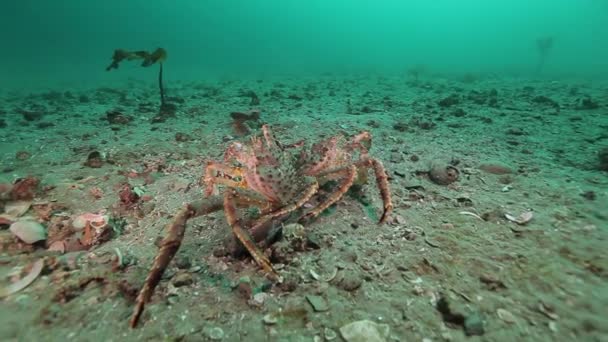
x=497, y=230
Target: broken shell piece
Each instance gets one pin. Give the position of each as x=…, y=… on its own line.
x=17, y=208
x=6, y=219
x=522, y=219
x=443, y=174
x=57, y=246
x=96, y=221
x=25, y=281
x=365, y=331
x=28, y=231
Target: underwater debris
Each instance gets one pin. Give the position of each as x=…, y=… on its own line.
x=24, y=282
x=239, y=120
x=129, y=198
x=544, y=46
x=522, y=219
x=28, y=231
x=587, y=104
x=365, y=331
x=94, y=160
x=472, y=324
x=449, y=101
x=603, y=159
x=442, y=174
x=24, y=188
x=116, y=117
x=158, y=56
x=496, y=169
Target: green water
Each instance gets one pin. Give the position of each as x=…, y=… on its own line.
x=49, y=42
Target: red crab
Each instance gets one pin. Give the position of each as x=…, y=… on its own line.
x=277, y=180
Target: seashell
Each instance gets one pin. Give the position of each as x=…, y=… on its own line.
x=522, y=219
x=6, y=219
x=25, y=281
x=365, y=331
x=443, y=174
x=28, y=231
x=96, y=221
x=57, y=246
x=17, y=208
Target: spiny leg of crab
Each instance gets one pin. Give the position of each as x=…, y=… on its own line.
x=168, y=247
x=262, y=222
x=382, y=182
x=245, y=238
x=348, y=175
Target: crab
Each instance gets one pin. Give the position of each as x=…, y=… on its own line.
x=276, y=179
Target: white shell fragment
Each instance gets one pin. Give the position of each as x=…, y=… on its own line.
x=365, y=331
x=25, y=281
x=17, y=208
x=522, y=219
x=28, y=231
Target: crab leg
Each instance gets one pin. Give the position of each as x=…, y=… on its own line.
x=381, y=181
x=260, y=225
x=349, y=173
x=245, y=238
x=168, y=247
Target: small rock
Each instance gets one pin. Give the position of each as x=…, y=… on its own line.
x=329, y=334
x=183, y=262
x=259, y=298
x=506, y=316
x=473, y=325
x=214, y=333
x=182, y=279
x=28, y=231
x=318, y=303
x=365, y=331
x=495, y=169
x=443, y=174
x=350, y=282
x=270, y=319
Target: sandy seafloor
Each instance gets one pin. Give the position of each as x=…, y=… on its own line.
x=546, y=280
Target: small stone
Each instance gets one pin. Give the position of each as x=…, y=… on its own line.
x=182, y=279
x=506, y=316
x=28, y=231
x=270, y=319
x=473, y=325
x=214, y=333
x=259, y=299
x=329, y=334
x=350, y=282
x=365, y=331
x=318, y=303
x=182, y=262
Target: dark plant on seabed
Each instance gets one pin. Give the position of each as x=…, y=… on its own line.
x=544, y=45
x=158, y=56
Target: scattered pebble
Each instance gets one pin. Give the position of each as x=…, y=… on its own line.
x=473, y=325
x=214, y=333
x=329, y=334
x=506, y=316
x=318, y=303
x=522, y=219
x=270, y=319
x=350, y=282
x=182, y=279
x=28, y=231
x=365, y=331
